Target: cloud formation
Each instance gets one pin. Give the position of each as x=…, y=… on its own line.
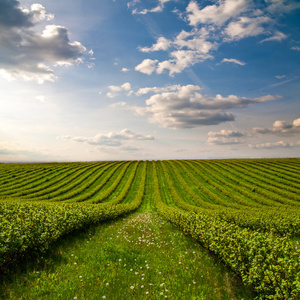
x=190, y=48
x=225, y=21
x=146, y=90
x=279, y=144
x=186, y=107
x=111, y=139
x=158, y=8
x=114, y=89
x=280, y=128
x=282, y=5
x=233, y=60
x=27, y=54
x=277, y=37
x=245, y=27
x=225, y=137
x=216, y=14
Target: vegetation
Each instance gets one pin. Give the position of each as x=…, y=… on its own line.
x=246, y=212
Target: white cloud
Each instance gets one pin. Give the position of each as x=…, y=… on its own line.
x=147, y=66
x=114, y=89
x=224, y=21
x=225, y=137
x=188, y=108
x=278, y=37
x=279, y=144
x=181, y=59
x=125, y=70
x=245, y=27
x=118, y=104
x=233, y=60
x=297, y=48
x=111, y=139
x=25, y=53
x=280, y=128
x=156, y=9
x=216, y=14
x=191, y=48
x=296, y=123
x=161, y=44
x=146, y=90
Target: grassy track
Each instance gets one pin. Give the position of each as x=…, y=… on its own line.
x=138, y=257
x=245, y=211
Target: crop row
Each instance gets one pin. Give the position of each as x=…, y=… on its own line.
x=266, y=262
x=259, y=189
x=261, y=179
x=34, y=226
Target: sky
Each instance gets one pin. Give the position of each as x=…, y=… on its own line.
x=149, y=79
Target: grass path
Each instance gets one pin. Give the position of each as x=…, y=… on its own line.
x=140, y=256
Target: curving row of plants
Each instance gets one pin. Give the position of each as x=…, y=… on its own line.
x=34, y=226
x=285, y=221
x=270, y=264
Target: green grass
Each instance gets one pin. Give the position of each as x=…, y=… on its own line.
x=140, y=256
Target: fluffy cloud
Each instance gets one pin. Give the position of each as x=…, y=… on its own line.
x=279, y=128
x=147, y=66
x=25, y=53
x=233, y=60
x=114, y=89
x=161, y=44
x=191, y=48
x=216, y=14
x=187, y=107
x=112, y=139
x=278, y=37
x=224, y=21
x=279, y=144
x=225, y=137
x=245, y=27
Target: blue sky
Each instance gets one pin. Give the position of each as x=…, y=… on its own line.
x=159, y=79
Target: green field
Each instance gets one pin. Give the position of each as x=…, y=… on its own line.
x=233, y=224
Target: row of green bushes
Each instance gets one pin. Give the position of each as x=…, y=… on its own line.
x=268, y=263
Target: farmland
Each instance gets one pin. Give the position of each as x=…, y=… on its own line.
x=246, y=212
